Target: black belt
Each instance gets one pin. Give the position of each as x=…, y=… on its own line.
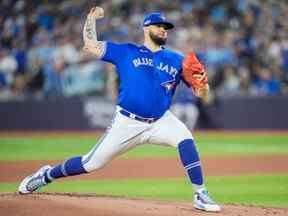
x=138, y=118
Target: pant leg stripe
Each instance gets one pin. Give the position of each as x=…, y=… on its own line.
x=196, y=165
x=191, y=164
x=63, y=169
x=100, y=141
x=94, y=149
x=193, y=167
x=122, y=143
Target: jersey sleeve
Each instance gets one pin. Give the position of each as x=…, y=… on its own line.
x=181, y=57
x=114, y=52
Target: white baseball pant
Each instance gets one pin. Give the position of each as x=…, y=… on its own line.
x=126, y=133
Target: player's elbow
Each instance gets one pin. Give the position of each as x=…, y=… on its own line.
x=89, y=50
x=96, y=48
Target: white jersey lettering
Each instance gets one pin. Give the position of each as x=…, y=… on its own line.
x=162, y=67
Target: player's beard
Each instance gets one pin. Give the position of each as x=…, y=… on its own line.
x=157, y=40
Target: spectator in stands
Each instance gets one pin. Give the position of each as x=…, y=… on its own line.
x=53, y=78
x=266, y=84
x=8, y=65
x=86, y=77
x=244, y=81
x=35, y=78
x=231, y=83
x=65, y=49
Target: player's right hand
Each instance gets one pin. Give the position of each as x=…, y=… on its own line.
x=96, y=13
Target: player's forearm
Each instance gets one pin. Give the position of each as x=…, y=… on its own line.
x=91, y=43
x=90, y=34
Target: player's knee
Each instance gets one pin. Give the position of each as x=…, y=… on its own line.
x=93, y=164
x=181, y=140
x=185, y=135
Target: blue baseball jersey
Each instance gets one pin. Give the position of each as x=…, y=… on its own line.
x=147, y=79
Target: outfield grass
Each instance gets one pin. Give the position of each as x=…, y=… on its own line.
x=257, y=190
x=61, y=147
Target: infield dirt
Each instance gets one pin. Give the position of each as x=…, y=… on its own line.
x=88, y=205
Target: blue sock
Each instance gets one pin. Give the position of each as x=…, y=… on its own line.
x=70, y=167
x=191, y=162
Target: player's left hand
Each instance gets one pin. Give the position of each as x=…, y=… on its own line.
x=194, y=74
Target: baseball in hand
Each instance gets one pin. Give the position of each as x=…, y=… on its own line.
x=97, y=12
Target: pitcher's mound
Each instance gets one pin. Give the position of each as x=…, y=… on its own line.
x=88, y=205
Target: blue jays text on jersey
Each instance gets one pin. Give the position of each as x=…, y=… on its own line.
x=162, y=67
x=147, y=79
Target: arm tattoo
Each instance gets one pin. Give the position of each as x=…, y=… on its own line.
x=90, y=38
x=91, y=29
x=99, y=48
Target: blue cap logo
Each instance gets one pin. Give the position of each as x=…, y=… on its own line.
x=157, y=18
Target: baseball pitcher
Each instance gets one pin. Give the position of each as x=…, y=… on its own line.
x=148, y=76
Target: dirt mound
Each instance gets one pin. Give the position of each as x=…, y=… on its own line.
x=93, y=205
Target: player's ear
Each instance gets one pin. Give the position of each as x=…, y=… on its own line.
x=145, y=29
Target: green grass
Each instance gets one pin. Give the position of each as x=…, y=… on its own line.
x=61, y=147
x=35, y=148
x=257, y=190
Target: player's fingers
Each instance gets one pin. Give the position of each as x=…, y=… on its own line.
x=198, y=76
x=99, y=12
x=92, y=10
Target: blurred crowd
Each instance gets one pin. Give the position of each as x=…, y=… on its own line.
x=243, y=44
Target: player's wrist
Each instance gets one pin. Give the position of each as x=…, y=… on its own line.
x=202, y=92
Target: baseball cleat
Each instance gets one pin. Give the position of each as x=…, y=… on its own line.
x=34, y=182
x=203, y=201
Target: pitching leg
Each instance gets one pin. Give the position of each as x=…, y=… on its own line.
x=124, y=134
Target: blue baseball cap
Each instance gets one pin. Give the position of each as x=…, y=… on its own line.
x=157, y=18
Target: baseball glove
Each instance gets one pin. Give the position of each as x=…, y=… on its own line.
x=194, y=74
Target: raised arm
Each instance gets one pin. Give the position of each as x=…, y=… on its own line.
x=91, y=43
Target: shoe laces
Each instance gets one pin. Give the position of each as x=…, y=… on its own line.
x=36, y=183
x=205, y=197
